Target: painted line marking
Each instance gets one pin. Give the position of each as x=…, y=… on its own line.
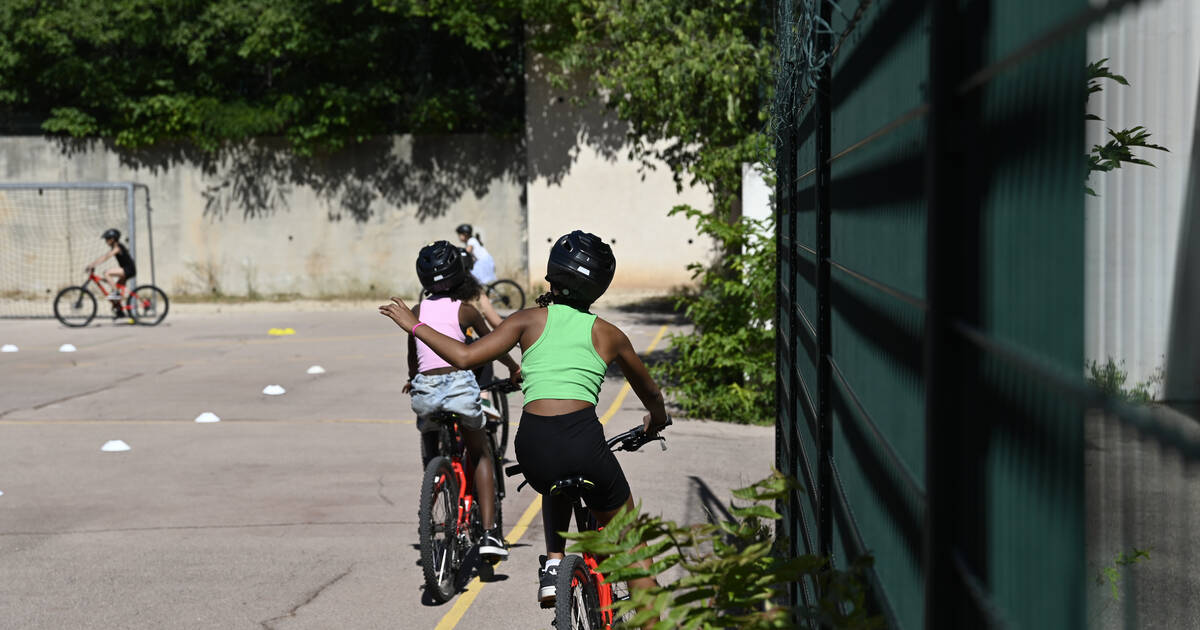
x=464, y=601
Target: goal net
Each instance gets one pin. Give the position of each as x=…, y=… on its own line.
x=49, y=232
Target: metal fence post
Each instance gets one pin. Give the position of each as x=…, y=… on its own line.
x=954, y=435
x=823, y=118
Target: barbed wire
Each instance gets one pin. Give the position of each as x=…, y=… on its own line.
x=799, y=62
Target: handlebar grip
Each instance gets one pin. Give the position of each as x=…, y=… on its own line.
x=510, y=471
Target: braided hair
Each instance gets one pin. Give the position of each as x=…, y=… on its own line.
x=550, y=297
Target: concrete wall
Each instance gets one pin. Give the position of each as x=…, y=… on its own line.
x=580, y=178
x=257, y=221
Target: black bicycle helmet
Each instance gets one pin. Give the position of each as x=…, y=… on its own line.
x=581, y=266
x=440, y=267
x=111, y=233
x=464, y=228
x=468, y=258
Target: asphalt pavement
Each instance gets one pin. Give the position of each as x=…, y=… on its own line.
x=294, y=511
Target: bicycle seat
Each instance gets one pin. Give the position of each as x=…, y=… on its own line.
x=572, y=486
x=442, y=416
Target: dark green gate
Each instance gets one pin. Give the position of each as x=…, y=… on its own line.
x=931, y=235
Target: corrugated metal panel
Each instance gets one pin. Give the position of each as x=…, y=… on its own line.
x=1133, y=226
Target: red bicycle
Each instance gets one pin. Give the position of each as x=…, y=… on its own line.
x=76, y=306
x=584, y=598
x=450, y=524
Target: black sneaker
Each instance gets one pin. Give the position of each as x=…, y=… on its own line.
x=546, y=581
x=493, y=547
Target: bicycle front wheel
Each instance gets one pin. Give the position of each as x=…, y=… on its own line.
x=74, y=307
x=577, y=604
x=500, y=401
x=147, y=304
x=506, y=294
x=437, y=528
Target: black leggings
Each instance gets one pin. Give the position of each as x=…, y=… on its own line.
x=552, y=448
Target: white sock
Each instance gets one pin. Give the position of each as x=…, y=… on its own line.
x=551, y=562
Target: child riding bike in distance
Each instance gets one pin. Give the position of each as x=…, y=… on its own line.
x=566, y=353
x=484, y=268
x=437, y=386
x=120, y=274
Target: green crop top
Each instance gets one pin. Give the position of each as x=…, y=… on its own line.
x=563, y=364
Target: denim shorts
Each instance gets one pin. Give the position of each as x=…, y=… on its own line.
x=456, y=392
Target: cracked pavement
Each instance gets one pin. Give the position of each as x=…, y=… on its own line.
x=293, y=512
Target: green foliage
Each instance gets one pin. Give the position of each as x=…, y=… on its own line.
x=734, y=572
x=1111, y=376
x=726, y=368
x=1119, y=148
x=322, y=73
x=690, y=77
x=1111, y=574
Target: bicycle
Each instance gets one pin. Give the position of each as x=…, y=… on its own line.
x=449, y=521
x=76, y=306
x=506, y=293
x=500, y=390
x=584, y=598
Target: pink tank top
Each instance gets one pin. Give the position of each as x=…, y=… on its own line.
x=441, y=315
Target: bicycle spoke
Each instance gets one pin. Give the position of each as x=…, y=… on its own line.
x=441, y=572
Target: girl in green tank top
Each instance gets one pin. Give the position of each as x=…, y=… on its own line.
x=567, y=350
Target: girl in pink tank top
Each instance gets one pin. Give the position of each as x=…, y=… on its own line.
x=436, y=386
x=442, y=315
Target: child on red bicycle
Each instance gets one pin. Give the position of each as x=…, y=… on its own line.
x=125, y=269
x=567, y=350
x=436, y=386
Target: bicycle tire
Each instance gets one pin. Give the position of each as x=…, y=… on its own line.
x=437, y=520
x=577, y=604
x=147, y=305
x=506, y=293
x=498, y=473
x=500, y=401
x=75, y=307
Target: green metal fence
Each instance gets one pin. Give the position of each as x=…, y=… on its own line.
x=931, y=234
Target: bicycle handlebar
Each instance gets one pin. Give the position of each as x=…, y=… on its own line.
x=505, y=385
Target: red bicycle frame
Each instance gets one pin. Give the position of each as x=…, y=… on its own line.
x=123, y=302
x=604, y=593
x=460, y=462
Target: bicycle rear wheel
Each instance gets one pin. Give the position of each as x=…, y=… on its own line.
x=74, y=307
x=506, y=294
x=147, y=304
x=577, y=605
x=438, y=520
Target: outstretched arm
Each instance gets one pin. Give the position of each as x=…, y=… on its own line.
x=480, y=323
x=96, y=263
x=489, y=311
x=642, y=384
x=455, y=352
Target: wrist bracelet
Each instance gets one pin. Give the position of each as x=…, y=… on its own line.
x=414, y=328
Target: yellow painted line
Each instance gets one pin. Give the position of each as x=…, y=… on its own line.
x=465, y=600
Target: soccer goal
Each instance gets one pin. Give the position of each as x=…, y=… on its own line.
x=51, y=231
